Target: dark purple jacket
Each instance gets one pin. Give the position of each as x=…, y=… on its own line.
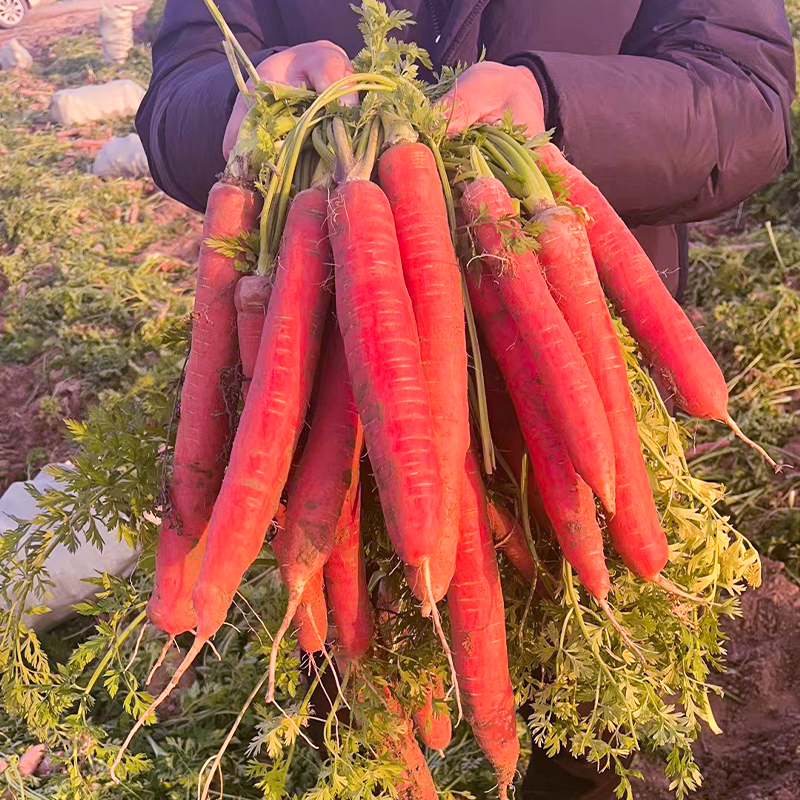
x=677, y=109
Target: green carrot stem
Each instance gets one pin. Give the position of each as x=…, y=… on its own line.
x=276, y=198
x=229, y=36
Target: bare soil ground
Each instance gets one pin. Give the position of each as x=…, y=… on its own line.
x=758, y=755
x=48, y=22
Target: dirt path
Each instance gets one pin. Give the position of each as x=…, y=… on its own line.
x=47, y=22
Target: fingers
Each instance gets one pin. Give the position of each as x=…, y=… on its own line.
x=31, y=759
x=328, y=64
x=315, y=65
x=459, y=112
x=486, y=91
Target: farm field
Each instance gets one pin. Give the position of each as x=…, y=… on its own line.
x=96, y=281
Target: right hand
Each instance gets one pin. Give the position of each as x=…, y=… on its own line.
x=315, y=65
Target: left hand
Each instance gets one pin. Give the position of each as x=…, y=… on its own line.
x=485, y=91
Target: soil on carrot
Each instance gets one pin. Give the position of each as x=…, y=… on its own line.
x=756, y=756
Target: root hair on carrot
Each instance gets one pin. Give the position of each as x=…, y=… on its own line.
x=739, y=433
x=437, y=625
x=618, y=627
x=668, y=586
x=160, y=660
x=187, y=662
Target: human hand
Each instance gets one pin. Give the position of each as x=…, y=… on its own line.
x=314, y=64
x=485, y=91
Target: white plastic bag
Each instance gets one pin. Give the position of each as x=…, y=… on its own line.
x=94, y=103
x=116, y=31
x=121, y=157
x=68, y=571
x=15, y=56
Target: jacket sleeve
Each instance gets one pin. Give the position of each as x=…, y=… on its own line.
x=690, y=118
x=183, y=115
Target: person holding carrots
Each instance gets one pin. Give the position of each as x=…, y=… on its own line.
x=676, y=109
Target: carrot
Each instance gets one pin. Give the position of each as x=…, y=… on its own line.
x=269, y=427
x=345, y=576
x=385, y=365
x=410, y=179
x=665, y=335
x=477, y=621
x=510, y=538
x=567, y=498
x=252, y=298
x=433, y=725
x=311, y=617
x=415, y=781
x=571, y=396
x=566, y=259
x=204, y=427
x=507, y=436
x=319, y=488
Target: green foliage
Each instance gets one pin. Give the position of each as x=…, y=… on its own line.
x=87, y=286
x=585, y=691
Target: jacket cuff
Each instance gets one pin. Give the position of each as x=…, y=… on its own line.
x=546, y=86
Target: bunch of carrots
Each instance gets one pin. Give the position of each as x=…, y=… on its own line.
x=428, y=301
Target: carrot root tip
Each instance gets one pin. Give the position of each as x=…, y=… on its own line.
x=624, y=635
x=291, y=609
x=668, y=586
x=187, y=662
x=739, y=433
x=437, y=625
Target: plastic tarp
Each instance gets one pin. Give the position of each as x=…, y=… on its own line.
x=87, y=104
x=67, y=570
x=15, y=56
x=121, y=157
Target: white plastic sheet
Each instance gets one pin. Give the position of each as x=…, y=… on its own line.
x=68, y=571
x=121, y=157
x=87, y=104
x=15, y=56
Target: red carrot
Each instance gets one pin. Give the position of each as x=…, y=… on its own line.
x=345, y=577
x=410, y=179
x=252, y=298
x=311, y=617
x=567, y=499
x=204, y=427
x=385, y=366
x=507, y=435
x=663, y=331
x=570, y=394
x=269, y=427
x=510, y=538
x=477, y=621
x=433, y=724
x=415, y=781
x=566, y=259
x=383, y=358
x=319, y=487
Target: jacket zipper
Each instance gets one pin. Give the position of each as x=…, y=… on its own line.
x=437, y=27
